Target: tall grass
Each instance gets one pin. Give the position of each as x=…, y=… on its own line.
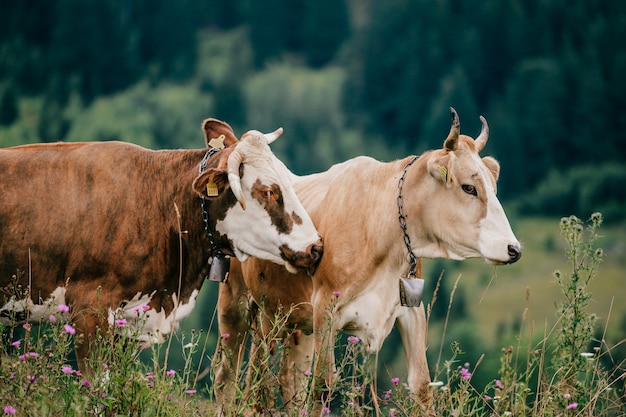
x=558, y=371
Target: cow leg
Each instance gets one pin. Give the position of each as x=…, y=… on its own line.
x=324, y=373
x=262, y=348
x=413, y=331
x=233, y=324
x=295, y=370
x=86, y=322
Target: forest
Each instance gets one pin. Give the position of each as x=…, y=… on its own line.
x=343, y=78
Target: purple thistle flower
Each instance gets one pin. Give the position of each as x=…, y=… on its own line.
x=120, y=322
x=499, y=384
x=388, y=394
x=67, y=369
x=395, y=381
x=336, y=293
x=353, y=339
x=64, y=308
x=69, y=329
x=326, y=410
x=190, y=391
x=8, y=409
x=17, y=343
x=572, y=406
x=465, y=373
x=171, y=372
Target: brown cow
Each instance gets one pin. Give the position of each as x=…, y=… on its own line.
x=447, y=205
x=112, y=228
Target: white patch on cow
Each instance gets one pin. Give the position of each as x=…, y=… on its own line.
x=371, y=315
x=149, y=326
x=35, y=312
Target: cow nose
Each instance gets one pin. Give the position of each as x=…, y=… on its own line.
x=316, y=251
x=515, y=252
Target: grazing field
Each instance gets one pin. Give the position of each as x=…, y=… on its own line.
x=518, y=341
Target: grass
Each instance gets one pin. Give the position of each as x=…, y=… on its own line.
x=557, y=361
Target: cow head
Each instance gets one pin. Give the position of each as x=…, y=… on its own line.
x=253, y=203
x=468, y=220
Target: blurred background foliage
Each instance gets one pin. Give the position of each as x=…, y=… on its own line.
x=344, y=78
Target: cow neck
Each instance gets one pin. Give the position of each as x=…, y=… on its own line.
x=220, y=263
x=411, y=288
x=413, y=259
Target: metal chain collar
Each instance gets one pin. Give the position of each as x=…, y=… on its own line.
x=407, y=241
x=205, y=214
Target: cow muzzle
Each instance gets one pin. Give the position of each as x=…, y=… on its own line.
x=296, y=261
x=515, y=253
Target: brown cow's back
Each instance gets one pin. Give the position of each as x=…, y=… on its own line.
x=86, y=211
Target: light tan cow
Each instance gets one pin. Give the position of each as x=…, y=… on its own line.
x=447, y=198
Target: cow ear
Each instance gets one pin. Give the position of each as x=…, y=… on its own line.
x=211, y=183
x=439, y=168
x=218, y=130
x=493, y=166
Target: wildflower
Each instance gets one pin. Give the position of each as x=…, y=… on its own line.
x=225, y=335
x=31, y=379
x=395, y=381
x=69, y=329
x=326, y=410
x=190, y=391
x=307, y=373
x=26, y=326
x=499, y=384
x=353, y=339
x=350, y=404
x=567, y=396
x=22, y=357
x=86, y=384
x=33, y=354
x=392, y=412
x=171, y=372
x=169, y=397
x=388, y=394
x=9, y=409
x=487, y=397
x=141, y=308
x=572, y=406
x=52, y=318
x=121, y=322
x=465, y=373
x=67, y=369
x=336, y=293
x=63, y=308
x=303, y=412
x=150, y=376
x=17, y=343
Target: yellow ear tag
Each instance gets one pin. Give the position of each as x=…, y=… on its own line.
x=211, y=189
x=217, y=142
x=443, y=171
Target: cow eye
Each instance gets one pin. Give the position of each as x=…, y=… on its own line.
x=469, y=189
x=268, y=194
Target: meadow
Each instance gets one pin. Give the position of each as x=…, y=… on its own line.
x=543, y=337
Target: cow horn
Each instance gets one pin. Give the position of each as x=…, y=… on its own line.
x=271, y=137
x=455, y=129
x=481, y=140
x=234, y=162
